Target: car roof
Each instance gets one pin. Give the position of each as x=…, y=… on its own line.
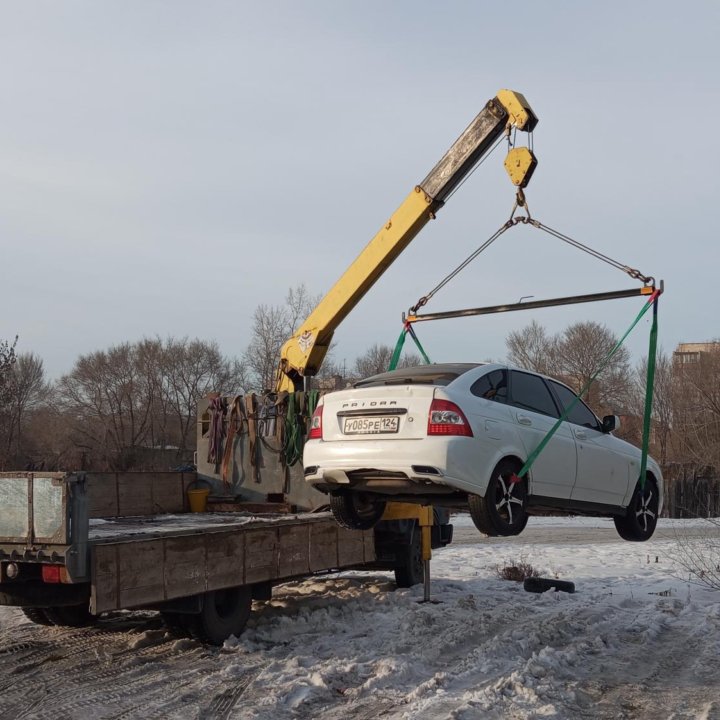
x=432, y=374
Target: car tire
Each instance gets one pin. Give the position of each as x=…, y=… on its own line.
x=224, y=613
x=36, y=615
x=410, y=570
x=639, y=522
x=503, y=509
x=541, y=585
x=69, y=615
x=356, y=511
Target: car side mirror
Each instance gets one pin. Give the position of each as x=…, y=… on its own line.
x=610, y=423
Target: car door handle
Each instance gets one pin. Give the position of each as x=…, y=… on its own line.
x=524, y=420
x=581, y=435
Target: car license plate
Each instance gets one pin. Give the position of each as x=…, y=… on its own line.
x=370, y=425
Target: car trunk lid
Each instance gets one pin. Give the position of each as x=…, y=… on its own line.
x=399, y=412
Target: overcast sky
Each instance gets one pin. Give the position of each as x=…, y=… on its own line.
x=165, y=167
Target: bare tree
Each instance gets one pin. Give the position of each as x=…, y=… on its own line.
x=111, y=404
x=532, y=348
x=191, y=369
x=26, y=390
x=135, y=403
x=376, y=359
x=272, y=326
x=574, y=356
x=7, y=360
x=581, y=349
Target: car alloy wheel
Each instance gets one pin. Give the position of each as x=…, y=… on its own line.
x=640, y=520
x=503, y=509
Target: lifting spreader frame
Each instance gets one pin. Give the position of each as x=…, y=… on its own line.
x=534, y=305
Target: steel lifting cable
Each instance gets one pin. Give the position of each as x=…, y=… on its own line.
x=632, y=272
x=425, y=298
x=520, y=202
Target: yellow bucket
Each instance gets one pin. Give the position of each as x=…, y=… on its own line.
x=198, y=499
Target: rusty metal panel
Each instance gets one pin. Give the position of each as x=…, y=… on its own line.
x=14, y=500
x=33, y=508
x=261, y=555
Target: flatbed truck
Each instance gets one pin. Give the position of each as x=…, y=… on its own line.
x=76, y=545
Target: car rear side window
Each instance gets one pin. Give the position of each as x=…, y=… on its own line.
x=581, y=414
x=492, y=386
x=530, y=392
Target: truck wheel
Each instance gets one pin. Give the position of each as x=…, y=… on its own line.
x=224, y=613
x=410, y=569
x=356, y=511
x=69, y=615
x=36, y=615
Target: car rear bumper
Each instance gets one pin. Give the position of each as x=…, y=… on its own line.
x=435, y=468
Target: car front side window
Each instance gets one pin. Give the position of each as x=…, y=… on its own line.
x=581, y=414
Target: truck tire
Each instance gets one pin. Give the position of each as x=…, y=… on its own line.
x=224, y=613
x=410, y=569
x=36, y=615
x=69, y=615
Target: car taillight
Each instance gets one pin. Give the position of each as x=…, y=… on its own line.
x=446, y=418
x=316, y=424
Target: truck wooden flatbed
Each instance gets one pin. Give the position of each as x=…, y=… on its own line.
x=69, y=551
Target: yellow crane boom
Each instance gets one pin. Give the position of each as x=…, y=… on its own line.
x=304, y=352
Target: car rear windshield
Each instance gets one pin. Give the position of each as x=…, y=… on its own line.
x=420, y=375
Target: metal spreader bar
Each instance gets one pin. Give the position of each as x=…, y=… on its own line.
x=534, y=305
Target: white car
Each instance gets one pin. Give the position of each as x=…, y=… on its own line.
x=457, y=435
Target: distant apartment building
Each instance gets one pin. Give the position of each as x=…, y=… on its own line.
x=692, y=352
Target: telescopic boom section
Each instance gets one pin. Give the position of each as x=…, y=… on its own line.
x=304, y=352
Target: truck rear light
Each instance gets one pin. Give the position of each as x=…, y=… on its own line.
x=54, y=574
x=446, y=418
x=316, y=424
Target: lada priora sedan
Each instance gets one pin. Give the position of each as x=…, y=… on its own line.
x=457, y=435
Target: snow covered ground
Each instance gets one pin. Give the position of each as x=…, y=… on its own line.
x=635, y=641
